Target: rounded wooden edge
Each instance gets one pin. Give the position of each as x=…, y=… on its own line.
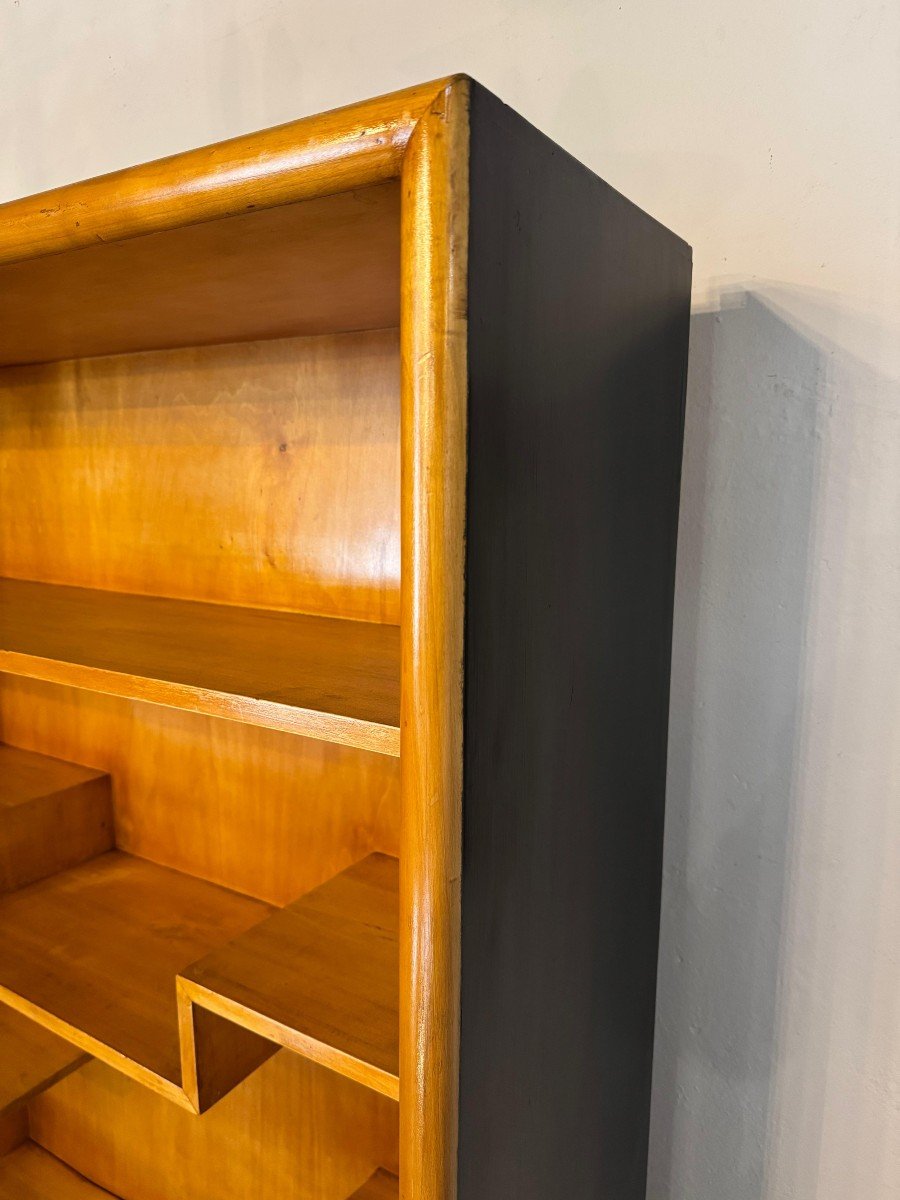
x=434, y=254
x=336, y=151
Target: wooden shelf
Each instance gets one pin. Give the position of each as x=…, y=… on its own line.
x=221, y=281
x=30, y=1173
x=92, y=954
x=319, y=977
x=100, y=955
x=336, y=680
x=31, y=1059
x=382, y=1186
x=53, y=814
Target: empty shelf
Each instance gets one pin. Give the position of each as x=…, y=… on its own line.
x=92, y=954
x=30, y=1173
x=319, y=977
x=325, y=678
x=53, y=815
x=31, y=1059
x=100, y=955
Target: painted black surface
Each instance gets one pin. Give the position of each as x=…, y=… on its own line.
x=578, y=311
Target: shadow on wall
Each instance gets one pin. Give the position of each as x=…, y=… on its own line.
x=752, y=890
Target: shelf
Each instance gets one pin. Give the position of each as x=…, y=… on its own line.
x=100, y=955
x=382, y=1186
x=92, y=954
x=31, y=1059
x=30, y=1173
x=222, y=281
x=319, y=977
x=325, y=678
x=53, y=815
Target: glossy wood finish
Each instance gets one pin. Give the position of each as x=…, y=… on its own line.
x=30, y=1173
x=31, y=1059
x=541, y=347
x=92, y=954
x=331, y=679
x=382, y=1186
x=291, y=1131
x=264, y=475
x=99, y=953
x=333, y=152
x=349, y=156
x=264, y=813
x=319, y=977
x=223, y=281
x=53, y=815
x=435, y=228
x=578, y=321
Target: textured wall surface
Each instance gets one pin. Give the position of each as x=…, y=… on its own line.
x=766, y=135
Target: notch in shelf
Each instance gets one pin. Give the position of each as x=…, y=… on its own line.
x=318, y=977
x=96, y=954
x=382, y=1186
x=53, y=815
x=322, y=677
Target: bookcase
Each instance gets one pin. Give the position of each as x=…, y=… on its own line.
x=339, y=471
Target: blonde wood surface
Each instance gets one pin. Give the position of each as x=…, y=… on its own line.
x=292, y=1131
x=92, y=954
x=31, y=1059
x=122, y=651
x=216, y=1053
x=325, y=678
x=319, y=977
x=382, y=1186
x=265, y=474
x=264, y=813
x=323, y=266
x=30, y=1173
x=433, y=350
x=53, y=815
x=347, y=148
x=13, y=1128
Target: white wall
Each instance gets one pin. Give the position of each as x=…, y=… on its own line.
x=767, y=135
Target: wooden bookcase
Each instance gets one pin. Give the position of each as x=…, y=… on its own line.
x=339, y=472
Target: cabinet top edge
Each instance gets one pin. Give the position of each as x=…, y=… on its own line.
x=340, y=150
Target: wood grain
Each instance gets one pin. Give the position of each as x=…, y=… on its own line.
x=197, y=229
x=13, y=1128
x=264, y=813
x=30, y=1173
x=331, y=679
x=31, y=1059
x=53, y=815
x=292, y=1131
x=320, y=977
x=224, y=281
x=433, y=349
x=92, y=955
x=265, y=474
x=382, y=1186
x=333, y=152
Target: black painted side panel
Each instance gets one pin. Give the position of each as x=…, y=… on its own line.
x=578, y=311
